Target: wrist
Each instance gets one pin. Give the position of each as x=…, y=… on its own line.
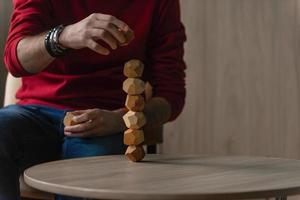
x=63, y=38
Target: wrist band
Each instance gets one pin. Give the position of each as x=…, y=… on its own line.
x=52, y=44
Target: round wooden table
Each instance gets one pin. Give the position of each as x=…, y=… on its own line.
x=168, y=177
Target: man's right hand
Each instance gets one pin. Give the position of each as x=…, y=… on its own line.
x=34, y=57
x=96, y=27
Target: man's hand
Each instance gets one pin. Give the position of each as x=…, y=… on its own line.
x=95, y=122
x=96, y=27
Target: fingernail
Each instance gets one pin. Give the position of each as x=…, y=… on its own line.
x=122, y=40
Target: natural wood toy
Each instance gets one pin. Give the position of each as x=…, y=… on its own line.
x=135, y=153
x=129, y=36
x=133, y=137
x=134, y=69
x=68, y=120
x=134, y=120
x=135, y=102
x=133, y=86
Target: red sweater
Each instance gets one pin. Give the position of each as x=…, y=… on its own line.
x=84, y=79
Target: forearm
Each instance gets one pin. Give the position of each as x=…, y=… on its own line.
x=32, y=53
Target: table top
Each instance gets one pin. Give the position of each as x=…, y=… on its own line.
x=168, y=177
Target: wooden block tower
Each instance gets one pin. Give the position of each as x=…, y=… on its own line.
x=135, y=103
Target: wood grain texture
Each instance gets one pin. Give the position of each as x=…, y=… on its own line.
x=242, y=79
x=5, y=12
x=168, y=177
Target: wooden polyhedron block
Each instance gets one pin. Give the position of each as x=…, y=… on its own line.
x=135, y=153
x=133, y=69
x=129, y=36
x=133, y=86
x=68, y=120
x=134, y=120
x=135, y=103
x=133, y=137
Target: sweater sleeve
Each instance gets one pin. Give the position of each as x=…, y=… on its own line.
x=165, y=54
x=30, y=17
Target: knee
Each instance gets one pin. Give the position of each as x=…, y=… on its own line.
x=7, y=143
x=8, y=124
x=9, y=116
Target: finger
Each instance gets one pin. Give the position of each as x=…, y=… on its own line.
x=105, y=36
x=85, y=134
x=77, y=112
x=120, y=24
x=112, y=29
x=97, y=47
x=81, y=111
x=87, y=116
x=79, y=128
x=78, y=135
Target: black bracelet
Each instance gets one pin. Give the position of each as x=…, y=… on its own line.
x=52, y=44
x=48, y=45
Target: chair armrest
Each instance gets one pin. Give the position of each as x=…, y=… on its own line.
x=11, y=88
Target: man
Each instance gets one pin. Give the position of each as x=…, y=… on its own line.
x=70, y=55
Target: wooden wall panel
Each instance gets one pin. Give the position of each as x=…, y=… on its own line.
x=242, y=79
x=5, y=12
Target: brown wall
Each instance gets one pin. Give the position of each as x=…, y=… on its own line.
x=243, y=79
x=5, y=11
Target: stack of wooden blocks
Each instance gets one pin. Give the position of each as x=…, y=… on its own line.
x=135, y=103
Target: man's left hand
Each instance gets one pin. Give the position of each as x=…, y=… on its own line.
x=95, y=123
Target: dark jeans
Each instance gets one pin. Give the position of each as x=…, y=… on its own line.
x=31, y=135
